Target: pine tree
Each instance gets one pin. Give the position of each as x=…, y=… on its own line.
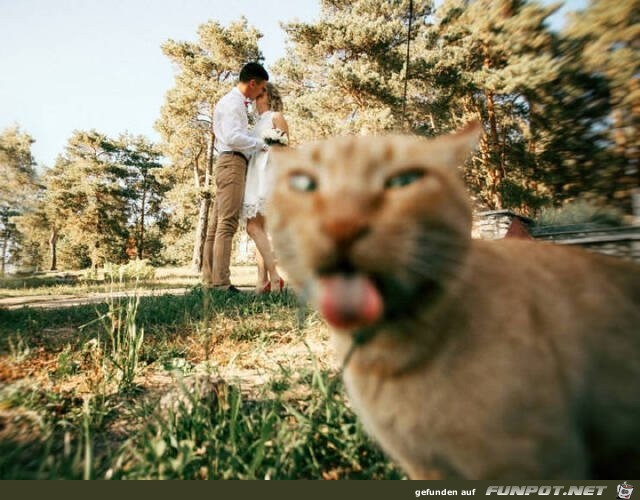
x=145, y=190
x=345, y=73
x=100, y=194
x=88, y=201
x=485, y=59
x=567, y=143
x=17, y=185
x=38, y=232
x=608, y=34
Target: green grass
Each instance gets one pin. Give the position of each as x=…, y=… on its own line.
x=221, y=386
x=221, y=434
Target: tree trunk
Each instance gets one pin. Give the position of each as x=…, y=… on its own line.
x=485, y=161
x=196, y=172
x=201, y=234
x=53, y=256
x=494, y=169
x=141, y=236
x=205, y=203
x=496, y=172
x=3, y=255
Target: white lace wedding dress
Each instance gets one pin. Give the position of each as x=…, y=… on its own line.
x=258, y=179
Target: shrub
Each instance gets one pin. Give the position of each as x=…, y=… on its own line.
x=579, y=212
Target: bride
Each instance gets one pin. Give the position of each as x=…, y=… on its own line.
x=269, y=108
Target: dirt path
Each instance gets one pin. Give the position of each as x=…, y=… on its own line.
x=58, y=301
x=242, y=276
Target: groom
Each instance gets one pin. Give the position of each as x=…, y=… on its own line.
x=234, y=146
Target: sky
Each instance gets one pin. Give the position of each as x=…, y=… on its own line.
x=70, y=65
x=82, y=64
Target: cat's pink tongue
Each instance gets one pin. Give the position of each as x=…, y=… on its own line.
x=349, y=302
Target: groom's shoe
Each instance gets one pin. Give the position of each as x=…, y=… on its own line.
x=228, y=288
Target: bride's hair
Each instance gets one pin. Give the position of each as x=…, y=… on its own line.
x=275, y=101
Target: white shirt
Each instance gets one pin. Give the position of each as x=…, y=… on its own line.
x=230, y=125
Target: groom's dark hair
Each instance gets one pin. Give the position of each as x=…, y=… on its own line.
x=253, y=71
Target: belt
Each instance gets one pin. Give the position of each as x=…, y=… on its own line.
x=235, y=153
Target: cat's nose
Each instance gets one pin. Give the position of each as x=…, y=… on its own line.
x=345, y=229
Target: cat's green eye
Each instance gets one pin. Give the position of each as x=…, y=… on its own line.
x=404, y=179
x=303, y=183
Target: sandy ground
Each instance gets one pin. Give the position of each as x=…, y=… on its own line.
x=242, y=276
x=58, y=301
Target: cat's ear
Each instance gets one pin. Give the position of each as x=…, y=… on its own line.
x=461, y=143
x=469, y=135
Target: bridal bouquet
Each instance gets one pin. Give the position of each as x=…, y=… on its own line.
x=275, y=136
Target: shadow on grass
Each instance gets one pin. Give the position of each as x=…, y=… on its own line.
x=48, y=281
x=38, y=326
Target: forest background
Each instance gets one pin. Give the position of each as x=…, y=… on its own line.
x=560, y=111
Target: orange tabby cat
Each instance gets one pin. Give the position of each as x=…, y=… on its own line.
x=472, y=359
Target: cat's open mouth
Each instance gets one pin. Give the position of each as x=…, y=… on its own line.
x=349, y=301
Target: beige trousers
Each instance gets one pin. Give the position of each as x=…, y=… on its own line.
x=224, y=216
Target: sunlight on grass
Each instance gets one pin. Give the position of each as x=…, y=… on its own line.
x=77, y=283
x=218, y=387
